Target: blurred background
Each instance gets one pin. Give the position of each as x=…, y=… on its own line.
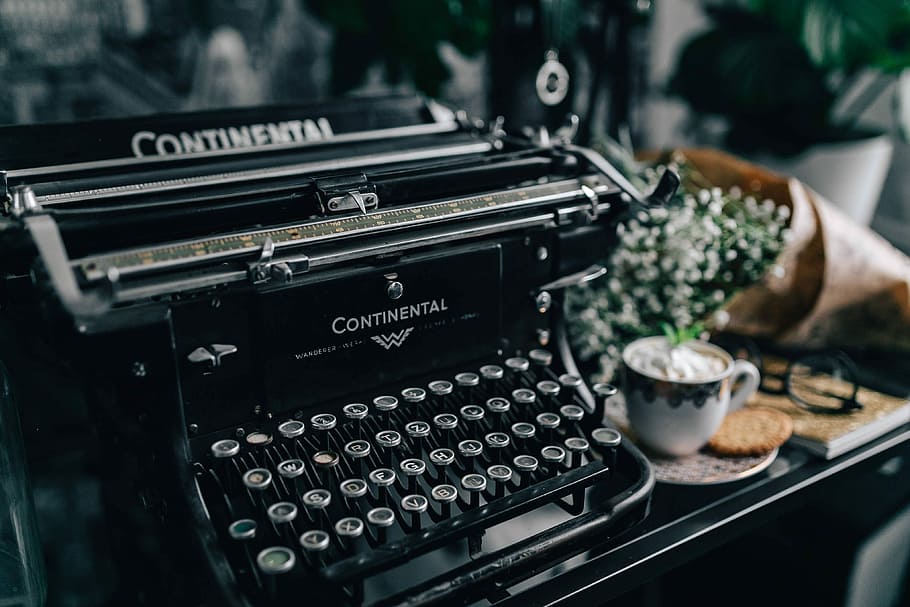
x=811, y=88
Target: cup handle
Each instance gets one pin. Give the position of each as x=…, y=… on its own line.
x=751, y=376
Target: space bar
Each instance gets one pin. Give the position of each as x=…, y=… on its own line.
x=451, y=530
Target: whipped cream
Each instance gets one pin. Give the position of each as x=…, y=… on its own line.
x=676, y=363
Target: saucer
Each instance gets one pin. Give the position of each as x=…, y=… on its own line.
x=706, y=468
x=702, y=468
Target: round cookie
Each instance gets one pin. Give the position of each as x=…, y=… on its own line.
x=752, y=431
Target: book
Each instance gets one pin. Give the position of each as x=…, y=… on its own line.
x=830, y=435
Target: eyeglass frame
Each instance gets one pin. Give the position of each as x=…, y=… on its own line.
x=848, y=405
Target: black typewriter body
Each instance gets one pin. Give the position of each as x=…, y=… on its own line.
x=314, y=354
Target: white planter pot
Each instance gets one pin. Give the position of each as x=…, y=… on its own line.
x=848, y=174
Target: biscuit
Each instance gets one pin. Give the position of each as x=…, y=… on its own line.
x=751, y=431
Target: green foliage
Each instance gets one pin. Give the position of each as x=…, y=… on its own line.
x=402, y=35
x=777, y=69
x=680, y=335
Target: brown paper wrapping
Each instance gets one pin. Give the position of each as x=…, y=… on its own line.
x=843, y=284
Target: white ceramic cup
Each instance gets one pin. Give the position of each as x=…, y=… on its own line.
x=678, y=417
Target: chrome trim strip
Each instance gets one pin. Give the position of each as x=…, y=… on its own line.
x=401, y=131
x=273, y=172
x=402, y=243
x=194, y=251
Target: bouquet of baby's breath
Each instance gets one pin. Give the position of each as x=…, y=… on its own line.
x=674, y=268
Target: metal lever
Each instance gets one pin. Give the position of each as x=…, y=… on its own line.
x=265, y=269
x=587, y=275
x=665, y=190
x=51, y=250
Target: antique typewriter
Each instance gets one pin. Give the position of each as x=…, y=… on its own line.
x=316, y=352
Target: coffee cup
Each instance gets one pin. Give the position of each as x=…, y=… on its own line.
x=676, y=398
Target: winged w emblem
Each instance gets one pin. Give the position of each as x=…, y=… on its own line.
x=392, y=339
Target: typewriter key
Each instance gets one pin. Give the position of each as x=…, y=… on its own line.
x=349, y=527
x=282, y=512
x=523, y=431
x=469, y=449
x=575, y=444
x=604, y=392
x=272, y=562
x=548, y=388
x=243, y=529
x=317, y=499
x=323, y=423
x=446, y=423
x=549, y=393
x=258, y=441
x=417, y=432
x=417, y=429
x=473, y=418
x=225, y=465
x=440, y=387
x=573, y=414
x=500, y=475
x=498, y=407
x=356, y=412
x=381, y=518
x=314, y=540
x=416, y=505
x=527, y=465
x=225, y=449
x=243, y=532
x=388, y=442
x=314, y=543
x=290, y=471
x=257, y=480
x=414, y=396
x=467, y=380
x=413, y=468
x=440, y=390
x=282, y=515
x=548, y=422
x=383, y=479
x=570, y=382
x=385, y=405
x=491, y=372
x=291, y=428
x=441, y=460
x=607, y=441
x=353, y=489
x=276, y=559
x=517, y=367
x=553, y=456
x=474, y=484
x=497, y=441
x=525, y=398
x=444, y=495
x=325, y=462
x=467, y=384
x=358, y=451
x=540, y=359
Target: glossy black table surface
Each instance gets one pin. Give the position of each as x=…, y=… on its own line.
x=687, y=521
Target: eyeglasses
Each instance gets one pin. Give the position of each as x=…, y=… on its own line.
x=822, y=382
